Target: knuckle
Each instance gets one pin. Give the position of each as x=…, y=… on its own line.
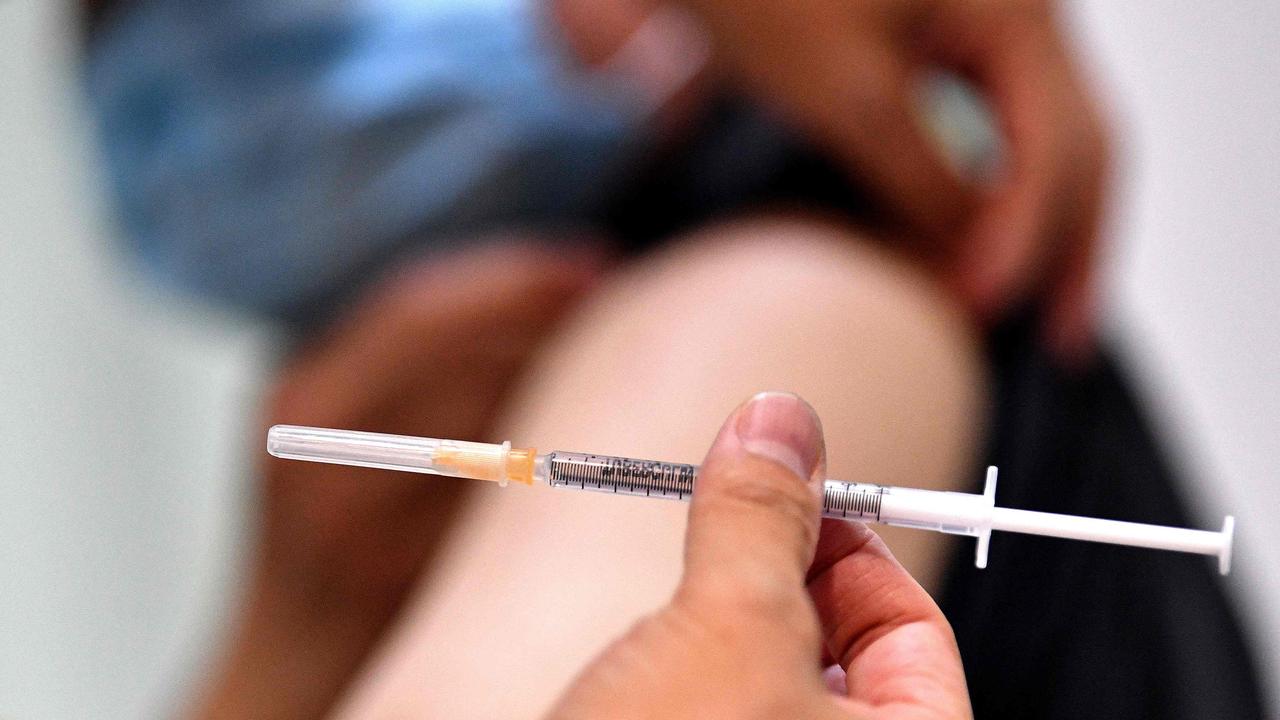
x=876, y=116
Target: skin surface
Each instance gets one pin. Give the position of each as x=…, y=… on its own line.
x=648, y=366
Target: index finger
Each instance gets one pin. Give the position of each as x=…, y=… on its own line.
x=1020, y=64
x=896, y=647
x=841, y=75
x=870, y=119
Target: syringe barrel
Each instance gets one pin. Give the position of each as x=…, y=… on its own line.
x=619, y=475
x=951, y=512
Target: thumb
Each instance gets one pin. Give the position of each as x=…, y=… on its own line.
x=753, y=523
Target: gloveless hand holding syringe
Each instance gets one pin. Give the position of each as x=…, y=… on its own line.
x=949, y=512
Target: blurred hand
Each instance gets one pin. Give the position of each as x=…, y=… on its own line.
x=742, y=637
x=847, y=72
x=1035, y=231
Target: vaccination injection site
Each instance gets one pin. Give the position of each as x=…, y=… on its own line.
x=639, y=359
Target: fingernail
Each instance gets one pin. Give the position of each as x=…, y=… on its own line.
x=783, y=428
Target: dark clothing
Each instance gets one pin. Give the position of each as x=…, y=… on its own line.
x=1053, y=628
x=1062, y=629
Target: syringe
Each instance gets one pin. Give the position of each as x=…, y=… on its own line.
x=943, y=511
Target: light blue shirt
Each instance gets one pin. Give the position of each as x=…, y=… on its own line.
x=271, y=155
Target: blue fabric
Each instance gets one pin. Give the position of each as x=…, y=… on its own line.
x=271, y=154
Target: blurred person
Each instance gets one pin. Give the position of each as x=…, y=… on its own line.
x=483, y=224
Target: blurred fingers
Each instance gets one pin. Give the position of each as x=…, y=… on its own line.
x=1007, y=243
x=866, y=111
x=1036, y=233
x=845, y=74
x=1071, y=313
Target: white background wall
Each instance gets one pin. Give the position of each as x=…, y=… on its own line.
x=123, y=419
x=122, y=424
